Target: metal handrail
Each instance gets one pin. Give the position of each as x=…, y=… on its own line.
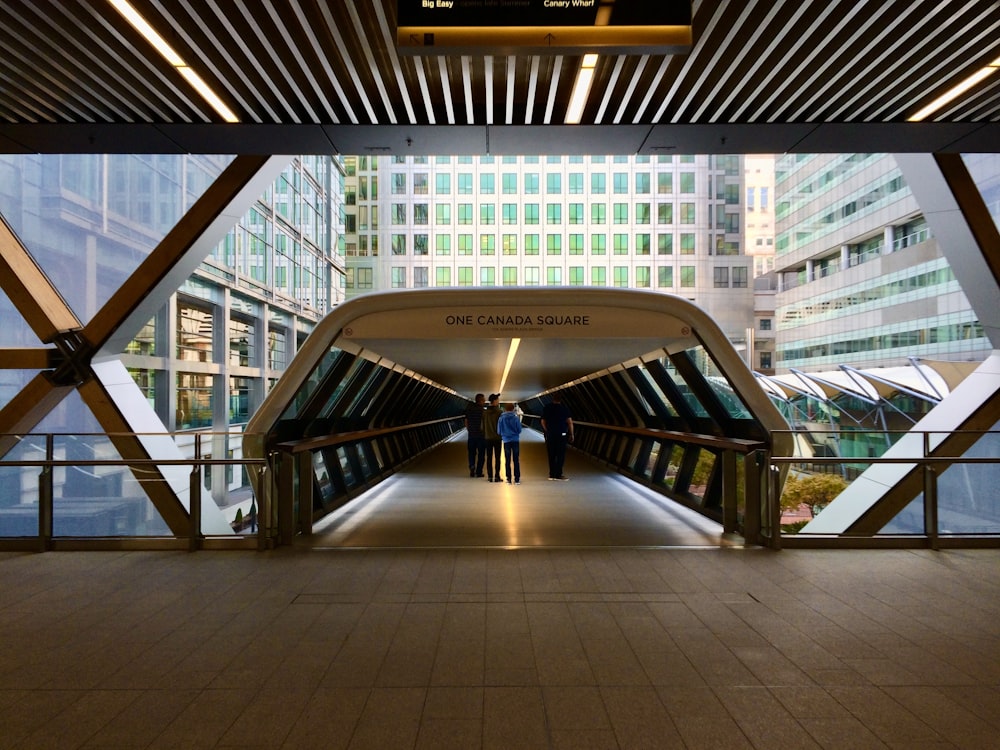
x=739, y=445
x=193, y=538
x=928, y=463
x=341, y=438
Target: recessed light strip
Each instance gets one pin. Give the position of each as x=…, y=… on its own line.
x=956, y=91
x=581, y=89
x=168, y=53
x=511, y=353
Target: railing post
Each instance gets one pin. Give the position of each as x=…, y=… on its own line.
x=930, y=505
x=772, y=513
x=729, y=494
x=45, y=497
x=305, y=492
x=753, y=478
x=285, y=501
x=194, y=498
x=267, y=510
x=930, y=496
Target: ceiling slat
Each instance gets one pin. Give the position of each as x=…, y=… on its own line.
x=315, y=62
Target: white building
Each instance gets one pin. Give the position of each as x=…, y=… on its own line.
x=666, y=223
x=758, y=209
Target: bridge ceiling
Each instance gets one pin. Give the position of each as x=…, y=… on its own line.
x=312, y=76
x=476, y=365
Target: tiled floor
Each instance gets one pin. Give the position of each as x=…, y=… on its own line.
x=452, y=646
x=500, y=649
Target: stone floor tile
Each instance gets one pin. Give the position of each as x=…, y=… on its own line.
x=639, y=718
x=328, y=720
x=450, y=734
x=514, y=717
x=391, y=718
x=840, y=733
x=575, y=708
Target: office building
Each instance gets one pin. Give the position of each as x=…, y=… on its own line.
x=862, y=279
x=206, y=359
x=665, y=223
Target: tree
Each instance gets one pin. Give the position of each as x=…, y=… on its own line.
x=815, y=490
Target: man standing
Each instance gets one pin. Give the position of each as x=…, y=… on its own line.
x=509, y=427
x=490, y=417
x=557, y=424
x=477, y=439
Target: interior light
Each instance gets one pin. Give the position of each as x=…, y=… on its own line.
x=168, y=53
x=955, y=92
x=581, y=89
x=207, y=94
x=150, y=34
x=511, y=353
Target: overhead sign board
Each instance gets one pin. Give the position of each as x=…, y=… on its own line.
x=442, y=27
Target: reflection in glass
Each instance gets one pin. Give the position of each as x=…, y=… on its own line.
x=719, y=384
x=985, y=172
x=194, y=400
x=19, y=491
x=702, y=473
x=89, y=220
x=316, y=377
x=656, y=389
x=674, y=466
x=968, y=502
x=88, y=499
x=684, y=389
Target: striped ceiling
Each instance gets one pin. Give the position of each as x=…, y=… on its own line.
x=314, y=75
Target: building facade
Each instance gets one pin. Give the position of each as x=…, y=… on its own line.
x=208, y=357
x=861, y=278
x=214, y=351
x=758, y=218
x=671, y=224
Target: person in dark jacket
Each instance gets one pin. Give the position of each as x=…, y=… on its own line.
x=477, y=439
x=557, y=424
x=490, y=417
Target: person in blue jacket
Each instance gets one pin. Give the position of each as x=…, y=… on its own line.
x=509, y=427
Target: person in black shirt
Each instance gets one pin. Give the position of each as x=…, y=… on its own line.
x=477, y=438
x=557, y=424
x=490, y=417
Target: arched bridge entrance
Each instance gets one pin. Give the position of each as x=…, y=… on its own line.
x=656, y=390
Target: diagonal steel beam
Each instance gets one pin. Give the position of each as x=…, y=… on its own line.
x=30, y=291
x=180, y=253
x=29, y=358
x=29, y=407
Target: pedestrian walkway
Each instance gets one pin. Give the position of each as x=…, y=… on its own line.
x=434, y=503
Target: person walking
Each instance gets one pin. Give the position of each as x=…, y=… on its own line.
x=557, y=425
x=509, y=427
x=490, y=417
x=476, y=437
